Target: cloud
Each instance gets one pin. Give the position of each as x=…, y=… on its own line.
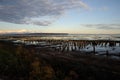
x=42, y=23
x=102, y=26
x=13, y=31
x=22, y=11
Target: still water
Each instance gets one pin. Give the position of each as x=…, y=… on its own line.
x=82, y=37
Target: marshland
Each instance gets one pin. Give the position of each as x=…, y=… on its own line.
x=61, y=57
x=59, y=39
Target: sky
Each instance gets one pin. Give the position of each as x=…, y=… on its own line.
x=60, y=16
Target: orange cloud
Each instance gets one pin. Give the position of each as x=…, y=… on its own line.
x=14, y=31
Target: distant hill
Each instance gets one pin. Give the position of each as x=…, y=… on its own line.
x=32, y=34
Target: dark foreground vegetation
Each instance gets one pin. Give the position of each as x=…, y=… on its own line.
x=19, y=62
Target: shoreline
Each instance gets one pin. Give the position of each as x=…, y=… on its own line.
x=60, y=64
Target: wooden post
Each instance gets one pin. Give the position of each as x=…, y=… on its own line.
x=94, y=49
x=107, y=53
x=93, y=44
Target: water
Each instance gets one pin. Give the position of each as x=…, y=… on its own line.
x=95, y=36
x=82, y=37
x=100, y=50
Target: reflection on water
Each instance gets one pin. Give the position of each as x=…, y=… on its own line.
x=82, y=37
x=74, y=42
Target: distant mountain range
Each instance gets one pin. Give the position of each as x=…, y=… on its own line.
x=31, y=34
